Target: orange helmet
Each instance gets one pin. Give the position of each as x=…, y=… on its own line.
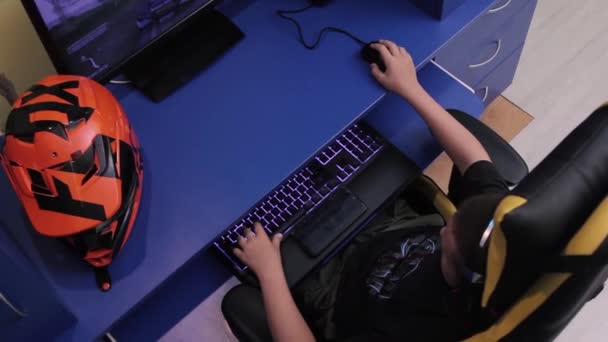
x=75, y=163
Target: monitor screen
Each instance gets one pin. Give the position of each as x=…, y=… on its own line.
x=93, y=37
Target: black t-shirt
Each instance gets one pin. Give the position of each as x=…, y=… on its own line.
x=393, y=288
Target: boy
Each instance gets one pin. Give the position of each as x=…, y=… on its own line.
x=396, y=285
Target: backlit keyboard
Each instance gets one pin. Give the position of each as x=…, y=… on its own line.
x=306, y=188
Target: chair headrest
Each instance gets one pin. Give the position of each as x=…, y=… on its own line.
x=566, y=186
x=540, y=216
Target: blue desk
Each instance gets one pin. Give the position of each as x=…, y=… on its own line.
x=219, y=144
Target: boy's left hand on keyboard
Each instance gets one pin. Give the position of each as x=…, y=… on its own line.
x=259, y=252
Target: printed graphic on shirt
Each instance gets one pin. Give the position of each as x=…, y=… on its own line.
x=398, y=263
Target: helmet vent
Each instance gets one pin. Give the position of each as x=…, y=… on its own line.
x=90, y=174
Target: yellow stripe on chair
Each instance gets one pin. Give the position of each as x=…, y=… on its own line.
x=441, y=202
x=497, y=250
x=585, y=242
x=531, y=301
x=589, y=238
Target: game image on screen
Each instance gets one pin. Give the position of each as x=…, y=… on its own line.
x=95, y=35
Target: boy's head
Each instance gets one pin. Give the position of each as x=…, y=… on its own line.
x=460, y=238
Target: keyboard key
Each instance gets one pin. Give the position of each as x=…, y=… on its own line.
x=291, y=210
x=224, y=243
x=324, y=191
x=282, y=206
x=272, y=226
x=365, y=155
x=362, y=153
x=333, y=183
x=291, y=221
x=316, y=198
x=305, y=198
x=320, y=178
x=266, y=207
x=315, y=167
x=335, y=147
x=308, y=183
x=308, y=205
x=295, y=207
x=232, y=237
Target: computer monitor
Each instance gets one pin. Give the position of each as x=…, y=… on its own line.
x=95, y=38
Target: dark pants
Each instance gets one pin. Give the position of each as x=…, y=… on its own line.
x=316, y=295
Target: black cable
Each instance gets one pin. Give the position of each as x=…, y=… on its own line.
x=299, y=10
x=283, y=14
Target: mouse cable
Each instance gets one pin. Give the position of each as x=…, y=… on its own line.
x=284, y=14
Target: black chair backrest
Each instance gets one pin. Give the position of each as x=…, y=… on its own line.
x=552, y=216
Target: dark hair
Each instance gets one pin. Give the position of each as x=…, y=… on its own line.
x=470, y=222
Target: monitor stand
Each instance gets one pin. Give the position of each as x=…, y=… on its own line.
x=182, y=54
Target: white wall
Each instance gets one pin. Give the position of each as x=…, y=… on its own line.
x=22, y=56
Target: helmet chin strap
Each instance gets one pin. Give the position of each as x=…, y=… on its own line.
x=102, y=278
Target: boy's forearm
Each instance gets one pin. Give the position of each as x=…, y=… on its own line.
x=462, y=147
x=285, y=320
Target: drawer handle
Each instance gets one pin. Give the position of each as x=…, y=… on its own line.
x=8, y=303
x=498, y=9
x=498, y=48
x=486, y=93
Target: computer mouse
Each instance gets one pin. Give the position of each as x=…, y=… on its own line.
x=371, y=55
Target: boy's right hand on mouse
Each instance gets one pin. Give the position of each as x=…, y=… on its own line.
x=400, y=75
